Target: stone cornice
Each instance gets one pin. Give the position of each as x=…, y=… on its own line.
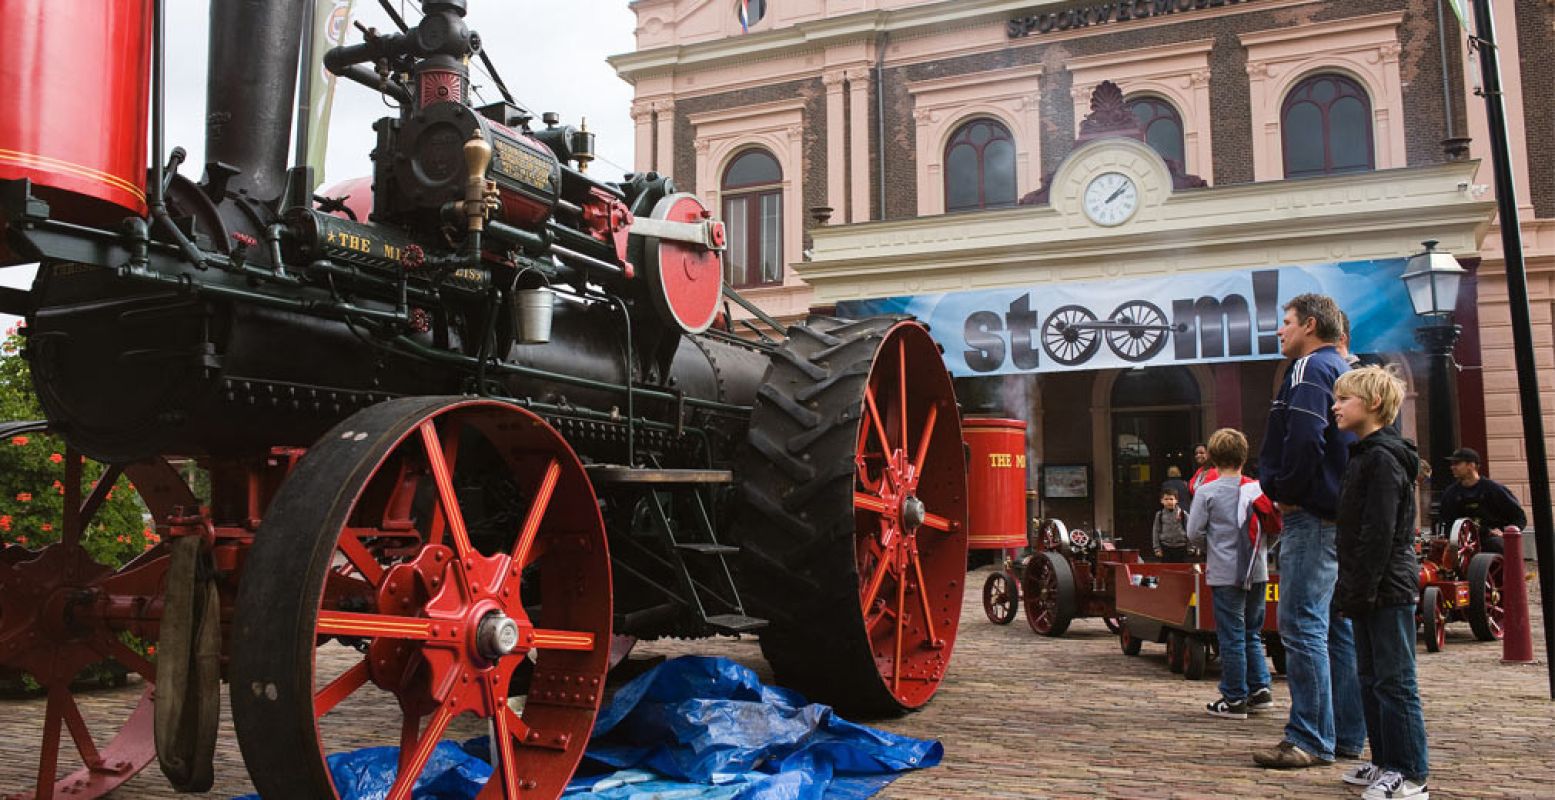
x=1349, y=217
x=814, y=34
x=1389, y=19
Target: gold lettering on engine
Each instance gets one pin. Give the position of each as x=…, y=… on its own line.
x=521, y=165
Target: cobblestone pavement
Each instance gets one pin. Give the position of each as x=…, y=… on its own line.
x=1022, y=716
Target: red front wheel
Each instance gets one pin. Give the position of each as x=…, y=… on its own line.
x=434, y=568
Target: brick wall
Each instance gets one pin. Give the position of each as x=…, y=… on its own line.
x=1535, y=20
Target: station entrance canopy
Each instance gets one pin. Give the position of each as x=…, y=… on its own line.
x=1197, y=317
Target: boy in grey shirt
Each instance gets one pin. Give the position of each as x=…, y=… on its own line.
x=1236, y=570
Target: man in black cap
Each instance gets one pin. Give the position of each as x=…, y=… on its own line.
x=1486, y=502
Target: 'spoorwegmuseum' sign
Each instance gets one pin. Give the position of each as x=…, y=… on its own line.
x=1102, y=13
x=1181, y=319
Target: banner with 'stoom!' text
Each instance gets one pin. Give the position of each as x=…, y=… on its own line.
x=1176, y=319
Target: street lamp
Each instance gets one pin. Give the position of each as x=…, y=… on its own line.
x=1432, y=279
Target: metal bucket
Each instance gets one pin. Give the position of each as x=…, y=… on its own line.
x=532, y=311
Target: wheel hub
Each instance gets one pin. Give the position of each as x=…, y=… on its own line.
x=913, y=512
x=497, y=635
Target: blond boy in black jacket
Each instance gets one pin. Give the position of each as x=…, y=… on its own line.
x=1378, y=582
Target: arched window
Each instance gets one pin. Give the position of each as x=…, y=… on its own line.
x=1162, y=126
x=753, y=214
x=1326, y=126
x=980, y=166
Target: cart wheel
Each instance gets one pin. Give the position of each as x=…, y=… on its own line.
x=1001, y=598
x=1143, y=339
x=1433, y=622
x=1129, y=642
x=1195, y=658
x=1065, y=343
x=1175, y=642
x=420, y=554
x=1114, y=624
x=1048, y=588
x=47, y=631
x=1485, y=609
x=1276, y=650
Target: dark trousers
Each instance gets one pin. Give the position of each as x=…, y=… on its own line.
x=1174, y=555
x=1390, y=697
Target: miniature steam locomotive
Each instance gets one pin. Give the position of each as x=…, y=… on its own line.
x=467, y=434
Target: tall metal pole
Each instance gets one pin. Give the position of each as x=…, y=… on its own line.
x=1522, y=328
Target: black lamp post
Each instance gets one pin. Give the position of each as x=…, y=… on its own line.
x=1432, y=278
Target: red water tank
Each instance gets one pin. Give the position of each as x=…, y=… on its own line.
x=77, y=90
x=996, y=482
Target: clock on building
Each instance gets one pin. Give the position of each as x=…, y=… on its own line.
x=1111, y=198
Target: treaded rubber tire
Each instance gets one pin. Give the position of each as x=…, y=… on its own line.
x=1479, y=610
x=1066, y=603
x=1176, y=658
x=1128, y=642
x=1195, y=660
x=1433, y=627
x=798, y=567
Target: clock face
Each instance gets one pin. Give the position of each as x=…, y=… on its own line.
x=1111, y=199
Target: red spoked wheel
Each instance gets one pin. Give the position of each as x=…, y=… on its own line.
x=433, y=567
x=1486, y=611
x=61, y=613
x=1001, y=597
x=1049, y=589
x=855, y=498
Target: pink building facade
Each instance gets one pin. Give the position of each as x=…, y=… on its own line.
x=877, y=154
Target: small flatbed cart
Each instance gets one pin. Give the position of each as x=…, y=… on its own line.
x=1171, y=604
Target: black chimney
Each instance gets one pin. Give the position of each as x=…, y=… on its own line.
x=251, y=90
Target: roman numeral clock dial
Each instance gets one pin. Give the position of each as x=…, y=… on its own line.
x=1110, y=199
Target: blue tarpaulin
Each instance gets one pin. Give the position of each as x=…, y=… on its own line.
x=692, y=728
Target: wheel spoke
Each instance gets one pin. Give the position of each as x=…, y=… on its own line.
x=923, y=595
x=901, y=618
x=537, y=509
x=876, y=423
x=503, y=750
x=442, y=473
x=340, y=688
x=410, y=769
x=78, y=732
x=869, y=502
x=48, y=758
x=351, y=623
x=563, y=640
x=99, y=493
x=131, y=660
x=355, y=552
x=882, y=566
x=71, y=535
x=940, y=523
x=923, y=441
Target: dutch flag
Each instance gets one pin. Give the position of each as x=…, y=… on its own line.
x=745, y=16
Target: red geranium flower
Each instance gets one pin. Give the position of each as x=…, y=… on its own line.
x=47, y=527
x=56, y=458
x=24, y=497
x=19, y=441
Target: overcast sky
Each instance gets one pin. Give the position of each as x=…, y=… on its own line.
x=550, y=53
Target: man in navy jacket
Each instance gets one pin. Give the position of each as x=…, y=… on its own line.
x=1301, y=465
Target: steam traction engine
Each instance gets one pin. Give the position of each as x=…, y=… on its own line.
x=1458, y=582
x=1071, y=574
x=462, y=431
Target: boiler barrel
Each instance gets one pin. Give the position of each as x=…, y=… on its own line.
x=996, y=481
x=76, y=76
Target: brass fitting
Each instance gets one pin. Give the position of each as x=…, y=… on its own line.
x=477, y=159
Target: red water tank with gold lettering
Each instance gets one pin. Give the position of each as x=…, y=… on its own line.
x=75, y=75
x=996, y=482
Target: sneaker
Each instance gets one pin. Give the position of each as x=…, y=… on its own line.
x=1226, y=708
x=1392, y=785
x=1260, y=701
x=1363, y=775
x=1286, y=755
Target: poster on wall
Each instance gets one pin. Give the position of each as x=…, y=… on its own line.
x=1179, y=319
x=1065, y=481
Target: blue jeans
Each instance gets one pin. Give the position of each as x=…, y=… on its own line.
x=1309, y=566
x=1385, y=654
x=1238, y=623
x=1349, y=720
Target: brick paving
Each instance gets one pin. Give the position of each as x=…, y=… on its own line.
x=1026, y=717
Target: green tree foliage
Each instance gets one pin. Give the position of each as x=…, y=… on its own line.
x=32, y=471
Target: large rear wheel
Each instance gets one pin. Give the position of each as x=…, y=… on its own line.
x=1049, y=589
x=1486, y=611
x=61, y=613
x=433, y=567
x=853, y=533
